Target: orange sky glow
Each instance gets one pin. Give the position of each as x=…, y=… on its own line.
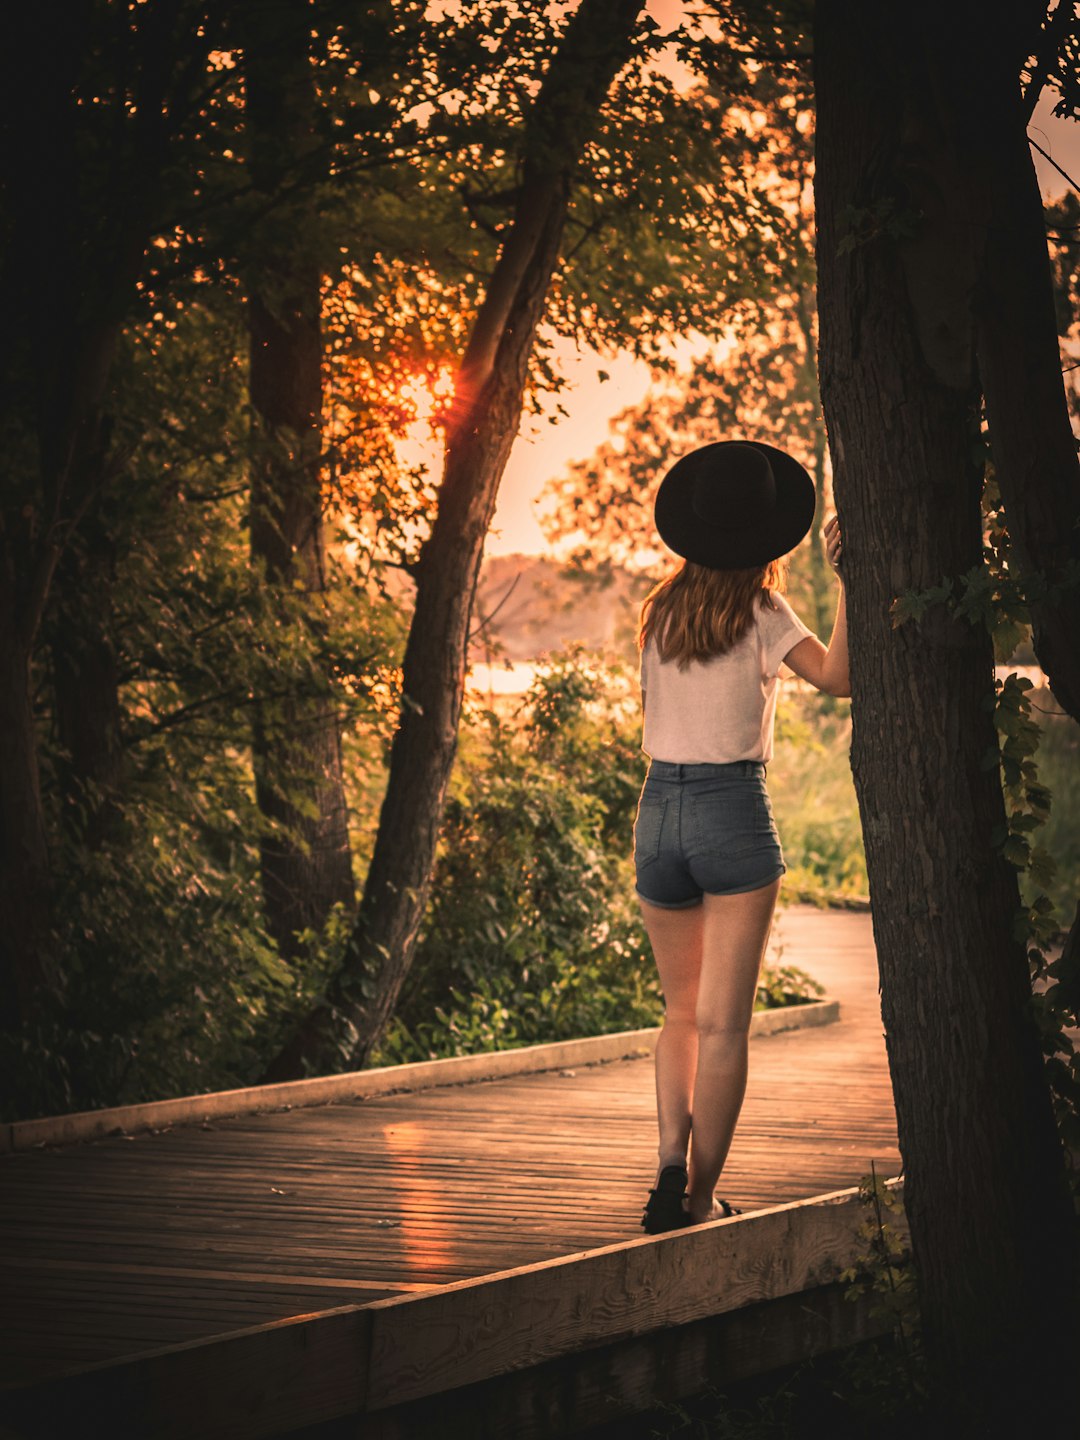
x=547, y=444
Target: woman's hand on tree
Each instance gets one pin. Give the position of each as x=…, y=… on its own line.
x=833, y=542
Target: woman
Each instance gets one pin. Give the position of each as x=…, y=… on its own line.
x=707, y=856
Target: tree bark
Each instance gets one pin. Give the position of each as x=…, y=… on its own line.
x=56, y=359
x=305, y=858
x=30, y=974
x=992, y=1225
x=79, y=216
x=86, y=682
x=487, y=412
x=992, y=178
x=1031, y=437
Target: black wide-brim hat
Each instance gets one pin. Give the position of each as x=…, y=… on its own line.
x=734, y=505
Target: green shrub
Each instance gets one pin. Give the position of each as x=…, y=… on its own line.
x=781, y=985
x=532, y=933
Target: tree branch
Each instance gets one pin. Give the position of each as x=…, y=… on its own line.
x=1051, y=161
x=488, y=620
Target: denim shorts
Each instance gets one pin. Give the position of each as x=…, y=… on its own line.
x=704, y=830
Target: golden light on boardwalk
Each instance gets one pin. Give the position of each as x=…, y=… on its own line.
x=428, y=1240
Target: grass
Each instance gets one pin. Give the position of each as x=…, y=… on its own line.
x=814, y=802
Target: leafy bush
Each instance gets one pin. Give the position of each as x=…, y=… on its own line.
x=781, y=985
x=175, y=983
x=532, y=933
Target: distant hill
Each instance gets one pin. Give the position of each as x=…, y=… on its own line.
x=528, y=605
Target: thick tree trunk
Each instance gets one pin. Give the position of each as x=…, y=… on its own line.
x=1031, y=437
x=488, y=406
x=30, y=977
x=69, y=266
x=993, y=1229
x=991, y=176
x=55, y=362
x=305, y=858
x=89, y=720
x=86, y=685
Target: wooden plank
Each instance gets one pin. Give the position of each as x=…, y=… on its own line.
x=793, y=1017
x=422, y=1345
x=245, y=1277
x=55, y=1319
x=604, y=1384
x=268, y=1379
x=256, y=1382
x=322, y=1090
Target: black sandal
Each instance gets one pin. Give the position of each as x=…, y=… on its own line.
x=664, y=1210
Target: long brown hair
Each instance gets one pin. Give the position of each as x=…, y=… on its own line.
x=696, y=613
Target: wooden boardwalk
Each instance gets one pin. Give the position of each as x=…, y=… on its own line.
x=117, y=1246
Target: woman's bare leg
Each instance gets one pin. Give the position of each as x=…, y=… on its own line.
x=735, y=929
x=676, y=937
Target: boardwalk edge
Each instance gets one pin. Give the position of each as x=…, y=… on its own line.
x=362, y=1361
x=21, y=1135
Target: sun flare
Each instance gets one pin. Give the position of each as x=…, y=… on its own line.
x=425, y=396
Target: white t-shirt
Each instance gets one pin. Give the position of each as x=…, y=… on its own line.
x=720, y=709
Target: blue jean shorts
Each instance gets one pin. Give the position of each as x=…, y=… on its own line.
x=704, y=830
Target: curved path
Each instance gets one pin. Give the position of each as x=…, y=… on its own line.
x=116, y=1246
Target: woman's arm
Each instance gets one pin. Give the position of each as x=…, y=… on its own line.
x=826, y=669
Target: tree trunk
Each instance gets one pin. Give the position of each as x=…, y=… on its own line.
x=55, y=362
x=86, y=683
x=78, y=218
x=305, y=858
x=30, y=977
x=992, y=1224
x=991, y=177
x=488, y=403
x=33, y=538
x=1031, y=437
x=89, y=718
